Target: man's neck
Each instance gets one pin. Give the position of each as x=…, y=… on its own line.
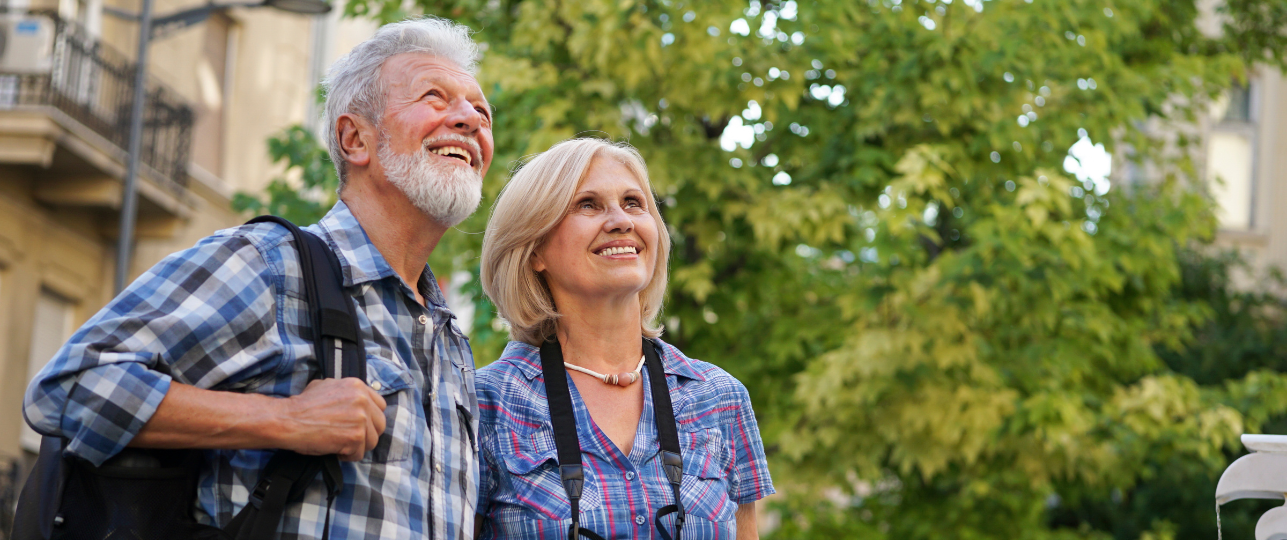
x=403, y=235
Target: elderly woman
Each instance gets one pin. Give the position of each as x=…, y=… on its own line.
x=575, y=260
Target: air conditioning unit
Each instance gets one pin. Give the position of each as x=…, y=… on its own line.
x=26, y=43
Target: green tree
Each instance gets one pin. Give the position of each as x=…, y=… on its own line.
x=942, y=331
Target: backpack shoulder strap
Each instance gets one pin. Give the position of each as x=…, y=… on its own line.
x=333, y=316
x=338, y=348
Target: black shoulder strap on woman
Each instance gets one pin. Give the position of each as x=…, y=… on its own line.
x=563, y=418
x=568, y=445
x=667, y=435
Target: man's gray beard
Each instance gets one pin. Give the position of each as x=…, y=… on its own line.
x=446, y=193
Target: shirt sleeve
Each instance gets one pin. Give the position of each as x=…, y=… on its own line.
x=204, y=316
x=487, y=471
x=750, y=478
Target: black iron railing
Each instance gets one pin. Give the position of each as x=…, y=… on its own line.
x=93, y=84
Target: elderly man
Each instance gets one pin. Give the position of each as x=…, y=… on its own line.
x=209, y=348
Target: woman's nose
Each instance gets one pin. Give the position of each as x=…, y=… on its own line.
x=618, y=220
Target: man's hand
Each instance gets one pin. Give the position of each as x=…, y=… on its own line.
x=331, y=416
x=334, y=416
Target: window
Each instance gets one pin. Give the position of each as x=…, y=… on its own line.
x=52, y=325
x=1231, y=151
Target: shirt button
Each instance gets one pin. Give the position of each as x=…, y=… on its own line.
x=376, y=386
x=630, y=476
x=437, y=467
x=639, y=520
x=424, y=319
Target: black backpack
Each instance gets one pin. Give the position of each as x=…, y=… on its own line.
x=145, y=494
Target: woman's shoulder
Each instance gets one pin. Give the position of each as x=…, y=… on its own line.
x=512, y=374
x=508, y=392
x=704, y=377
x=518, y=359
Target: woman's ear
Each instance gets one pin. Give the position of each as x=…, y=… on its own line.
x=538, y=265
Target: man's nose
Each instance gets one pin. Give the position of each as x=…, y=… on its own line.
x=464, y=117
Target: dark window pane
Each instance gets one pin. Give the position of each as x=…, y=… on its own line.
x=1239, y=104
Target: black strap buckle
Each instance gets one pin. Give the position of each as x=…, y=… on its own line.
x=260, y=491
x=573, y=479
x=674, y=465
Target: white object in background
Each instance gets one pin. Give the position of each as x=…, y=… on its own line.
x=1272, y=444
x=1259, y=475
x=26, y=43
x=1272, y=525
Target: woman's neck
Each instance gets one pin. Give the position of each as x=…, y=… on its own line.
x=603, y=336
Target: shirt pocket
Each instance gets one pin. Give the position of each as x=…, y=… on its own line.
x=536, y=488
x=705, y=488
x=393, y=382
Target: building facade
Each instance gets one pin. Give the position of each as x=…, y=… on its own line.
x=218, y=90
x=1246, y=170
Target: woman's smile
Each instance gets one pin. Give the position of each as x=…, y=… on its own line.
x=618, y=249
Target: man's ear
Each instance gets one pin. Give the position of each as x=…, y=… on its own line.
x=355, y=141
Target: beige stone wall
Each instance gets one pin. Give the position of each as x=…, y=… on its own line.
x=40, y=248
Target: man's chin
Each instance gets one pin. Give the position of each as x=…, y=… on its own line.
x=453, y=212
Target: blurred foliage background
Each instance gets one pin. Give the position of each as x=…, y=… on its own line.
x=945, y=332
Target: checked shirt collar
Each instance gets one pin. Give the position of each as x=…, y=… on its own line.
x=361, y=262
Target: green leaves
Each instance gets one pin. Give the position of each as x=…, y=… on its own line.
x=307, y=191
x=945, y=333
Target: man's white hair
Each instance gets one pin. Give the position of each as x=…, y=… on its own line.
x=353, y=85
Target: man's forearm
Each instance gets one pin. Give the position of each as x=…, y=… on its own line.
x=331, y=416
x=190, y=417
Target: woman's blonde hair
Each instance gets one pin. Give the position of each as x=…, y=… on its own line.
x=528, y=209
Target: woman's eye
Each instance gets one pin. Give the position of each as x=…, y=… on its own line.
x=633, y=203
x=585, y=205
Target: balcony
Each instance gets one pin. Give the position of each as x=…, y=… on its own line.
x=72, y=123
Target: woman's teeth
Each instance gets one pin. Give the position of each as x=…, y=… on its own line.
x=617, y=251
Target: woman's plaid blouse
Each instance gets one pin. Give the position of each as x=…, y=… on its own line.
x=521, y=495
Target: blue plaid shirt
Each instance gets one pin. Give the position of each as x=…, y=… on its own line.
x=522, y=496
x=228, y=314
